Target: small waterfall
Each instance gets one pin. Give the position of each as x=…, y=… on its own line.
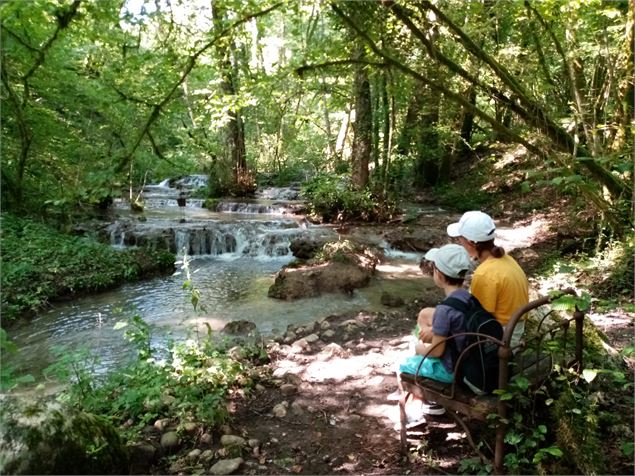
x=254, y=208
x=243, y=238
x=236, y=228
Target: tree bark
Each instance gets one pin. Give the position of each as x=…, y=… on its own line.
x=362, y=128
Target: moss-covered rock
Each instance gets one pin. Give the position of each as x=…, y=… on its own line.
x=45, y=437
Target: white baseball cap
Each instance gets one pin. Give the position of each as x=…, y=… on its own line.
x=474, y=226
x=452, y=260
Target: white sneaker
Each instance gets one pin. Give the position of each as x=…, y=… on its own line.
x=413, y=419
x=432, y=409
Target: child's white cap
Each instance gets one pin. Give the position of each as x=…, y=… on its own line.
x=452, y=260
x=474, y=226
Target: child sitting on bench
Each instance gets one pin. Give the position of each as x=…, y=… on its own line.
x=450, y=265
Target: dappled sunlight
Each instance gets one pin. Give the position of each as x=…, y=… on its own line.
x=515, y=237
x=402, y=269
x=510, y=156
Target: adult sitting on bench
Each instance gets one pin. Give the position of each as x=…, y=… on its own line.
x=499, y=283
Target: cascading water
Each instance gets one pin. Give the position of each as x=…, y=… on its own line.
x=235, y=257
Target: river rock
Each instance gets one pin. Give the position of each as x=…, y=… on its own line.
x=226, y=466
x=253, y=443
x=332, y=350
x=206, y=439
x=288, y=389
x=353, y=271
x=280, y=410
x=189, y=427
x=415, y=238
x=296, y=408
x=293, y=379
x=305, y=248
x=241, y=332
x=46, y=437
x=170, y=441
x=311, y=338
x=232, y=440
x=141, y=456
x=300, y=344
x=162, y=424
x=194, y=455
x=207, y=455
x=328, y=334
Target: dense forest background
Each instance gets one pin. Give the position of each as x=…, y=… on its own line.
x=100, y=97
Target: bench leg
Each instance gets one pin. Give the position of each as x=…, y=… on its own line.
x=403, y=420
x=470, y=440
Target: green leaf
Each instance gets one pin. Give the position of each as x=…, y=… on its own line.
x=554, y=451
x=522, y=383
x=589, y=375
x=120, y=325
x=525, y=187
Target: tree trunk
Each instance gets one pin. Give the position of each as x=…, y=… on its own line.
x=235, y=130
x=467, y=124
x=409, y=129
x=362, y=128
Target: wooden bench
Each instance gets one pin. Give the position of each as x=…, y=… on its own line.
x=529, y=358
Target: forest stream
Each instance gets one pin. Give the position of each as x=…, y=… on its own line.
x=233, y=280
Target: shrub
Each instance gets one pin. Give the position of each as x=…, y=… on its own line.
x=334, y=199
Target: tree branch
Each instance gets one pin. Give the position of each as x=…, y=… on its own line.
x=191, y=62
x=327, y=64
x=63, y=20
x=438, y=87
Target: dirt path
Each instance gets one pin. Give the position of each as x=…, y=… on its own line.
x=325, y=410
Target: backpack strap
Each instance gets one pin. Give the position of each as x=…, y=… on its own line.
x=457, y=304
x=462, y=307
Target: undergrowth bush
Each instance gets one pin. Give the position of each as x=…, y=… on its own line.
x=40, y=264
x=188, y=381
x=334, y=199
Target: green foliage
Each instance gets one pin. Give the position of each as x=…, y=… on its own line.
x=575, y=416
x=526, y=436
x=8, y=378
x=333, y=198
x=457, y=199
x=138, y=333
x=189, y=381
x=340, y=251
x=76, y=366
x=40, y=264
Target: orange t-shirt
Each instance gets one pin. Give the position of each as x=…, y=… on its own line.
x=501, y=286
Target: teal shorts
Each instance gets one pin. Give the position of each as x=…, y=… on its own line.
x=432, y=367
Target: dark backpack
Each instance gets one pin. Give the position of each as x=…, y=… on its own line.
x=479, y=365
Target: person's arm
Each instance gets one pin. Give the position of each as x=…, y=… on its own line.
x=430, y=349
